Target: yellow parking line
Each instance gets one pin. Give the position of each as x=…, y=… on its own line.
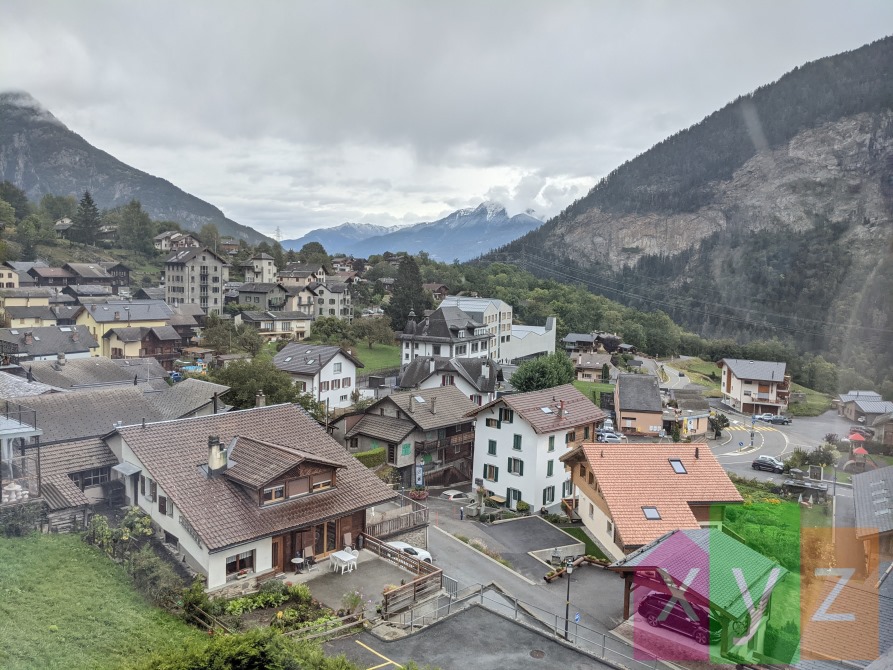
x=385, y=658
x=380, y=665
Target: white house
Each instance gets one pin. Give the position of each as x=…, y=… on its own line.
x=494, y=314
x=448, y=332
x=478, y=379
x=329, y=373
x=240, y=494
x=520, y=437
x=754, y=387
x=528, y=342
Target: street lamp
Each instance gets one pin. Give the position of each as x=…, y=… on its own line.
x=569, y=568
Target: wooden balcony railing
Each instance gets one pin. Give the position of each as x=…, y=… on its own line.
x=428, y=581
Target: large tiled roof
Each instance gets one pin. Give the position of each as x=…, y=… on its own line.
x=191, y=253
x=33, y=292
x=873, y=494
x=151, y=293
x=308, y=359
x=88, y=270
x=259, y=287
x=444, y=325
x=451, y=407
x=44, y=313
x=470, y=369
x=385, y=428
x=13, y=386
x=275, y=316
x=639, y=393
x=542, y=409
x=763, y=371
x=88, y=373
x=130, y=311
x=217, y=507
x=256, y=463
x=474, y=305
x=67, y=457
x=631, y=476
x=49, y=340
x=714, y=555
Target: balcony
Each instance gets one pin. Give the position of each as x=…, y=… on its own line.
x=460, y=440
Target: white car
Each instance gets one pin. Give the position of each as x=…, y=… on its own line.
x=764, y=417
x=453, y=494
x=420, y=554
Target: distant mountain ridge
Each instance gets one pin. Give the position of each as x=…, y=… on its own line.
x=40, y=155
x=463, y=234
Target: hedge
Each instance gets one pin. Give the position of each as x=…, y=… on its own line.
x=372, y=458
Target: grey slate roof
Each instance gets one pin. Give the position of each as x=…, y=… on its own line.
x=137, y=334
x=873, y=496
x=138, y=310
x=172, y=453
x=30, y=292
x=308, y=359
x=639, y=393
x=444, y=325
x=386, y=428
x=470, y=369
x=874, y=406
x=190, y=253
x=151, y=293
x=859, y=395
x=13, y=386
x=450, y=408
x=86, y=373
x=716, y=554
x=50, y=340
x=88, y=270
x=89, y=290
x=259, y=287
x=44, y=313
x=275, y=316
x=763, y=371
x=584, y=338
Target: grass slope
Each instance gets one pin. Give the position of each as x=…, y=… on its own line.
x=379, y=357
x=65, y=605
x=592, y=390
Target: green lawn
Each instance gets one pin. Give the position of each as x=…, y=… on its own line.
x=379, y=357
x=701, y=372
x=591, y=547
x=65, y=605
x=816, y=403
x=590, y=388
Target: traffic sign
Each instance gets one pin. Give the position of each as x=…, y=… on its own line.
x=577, y=617
x=741, y=444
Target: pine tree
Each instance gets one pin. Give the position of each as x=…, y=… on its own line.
x=408, y=294
x=86, y=221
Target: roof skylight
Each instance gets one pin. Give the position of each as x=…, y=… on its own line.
x=420, y=399
x=678, y=467
x=651, y=513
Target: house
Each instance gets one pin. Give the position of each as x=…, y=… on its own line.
x=172, y=240
x=347, y=277
x=259, y=269
x=244, y=492
x=629, y=497
x=439, y=291
x=46, y=276
x=79, y=292
x=62, y=227
x=447, y=331
x=89, y=273
x=21, y=268
x=691, y=414
x=589, y=367
x=228, y=245
x=874, y=514
x=74, y=476
x=9, y=276
x=303, y=274
x=575, y=343
x=120, y=273
x=477, y=378
x=80, y=374
x=42, y=344
x=328, y=373
x=263, y=295
x=332, y=299
x=754, y=387
x=427, y=434
x=519, y=438
x=883, y=427
x=161, y=343
x=196, y=275
x=638, y=405
x=29, y=317
x=102, y=317
x=494, y=314
x=708, y=568
x=527, y=342
x=387, y=284
x=278, y=325
x=865, y=409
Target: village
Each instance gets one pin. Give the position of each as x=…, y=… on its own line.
x=593, y=502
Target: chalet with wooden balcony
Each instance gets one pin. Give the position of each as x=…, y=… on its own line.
x=427, y=434
x=755, y=387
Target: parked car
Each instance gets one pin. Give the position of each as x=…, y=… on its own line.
x=703, y=629
x=764, y=417
x=867, y=433
x=767, y=463
x=612, y=438
x=453, y=494
x=420, y=554
x=607, y=426
x=783, y=420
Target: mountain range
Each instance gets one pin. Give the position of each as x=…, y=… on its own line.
x=463, y=234
x=40, y=155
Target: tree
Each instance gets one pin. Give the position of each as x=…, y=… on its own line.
x=611, y=343
x=278, y=256
x=135, y=228
x=407, y=294
x=606, y=372
x=7, y=215
x=313, y=253
x=543, y=372
x=718, y=423
x=58, y=206
x=373, y=330
x=331, y=330
x=17, y=198
x=209, y=236
x=224, y=337
x=246, y=378
x=28, y=234
x=86, y=221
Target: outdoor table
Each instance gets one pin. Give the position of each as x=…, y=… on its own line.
x=298, y=563
x=344, y=559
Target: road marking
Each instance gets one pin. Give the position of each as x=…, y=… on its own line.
x=385, y=658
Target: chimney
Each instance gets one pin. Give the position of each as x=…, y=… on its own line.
x=561, y=409
x=75, y=336
x=697, y=452
x=260, y=399
x=216, y=455
x=117, y=316
x=432, y=365
x=580, y=358
x=434, y=405
x=135, y=380
x=30, y=376
x=214, y=402
x=411, y=404
x=485, y=370
x=29, y=337
x=60, y=358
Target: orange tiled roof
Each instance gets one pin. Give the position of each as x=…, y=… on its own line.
x=632, y=476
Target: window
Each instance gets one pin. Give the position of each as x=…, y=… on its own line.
x=435, y=350
x=586, y=433
x=570, y=437
x=516, y=467
x=551, y=443
x=492, y=423
x=591, y=510
x=516, y=443
x=548, y=495
x=165, y=506
x=239, y=562
x=591, y=479
x=610, y=528
x=460, y=350
x=491, y=473
x=342, y=398
x=336, y=368
x=153, y=490
x=550, y=467
x=336, y=384
x=491, y=447
x=392, y=450
x=322, y=481
x=92, y=477
x=447, y=380
x=506, y=415
x=651, y=513
x=298, y=487
x=142, y=485
x=324, y=386
x=345, y=383
x=274, y=494
x=678, y=467
x=582, y=471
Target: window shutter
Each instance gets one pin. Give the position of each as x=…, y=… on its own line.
x=495, y=474
x=544, y=497
x=510, y=464
x=521, y=468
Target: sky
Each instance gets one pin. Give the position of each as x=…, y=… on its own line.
x=297, y=115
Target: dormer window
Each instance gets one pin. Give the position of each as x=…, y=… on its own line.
x=274, y=494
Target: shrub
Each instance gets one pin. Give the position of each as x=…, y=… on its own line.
x=273, y=586
x=194, y=598
x=372, y=458
x=155, y=578
x=300, y=593
x=522, y=507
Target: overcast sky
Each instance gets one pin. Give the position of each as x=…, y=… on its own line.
x=308, y=114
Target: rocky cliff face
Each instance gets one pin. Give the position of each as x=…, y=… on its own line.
x=839, y=171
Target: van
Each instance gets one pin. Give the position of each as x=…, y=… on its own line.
x=608, y=425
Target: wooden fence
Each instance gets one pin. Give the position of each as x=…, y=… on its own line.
x=429, y=578
x=416, y=517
